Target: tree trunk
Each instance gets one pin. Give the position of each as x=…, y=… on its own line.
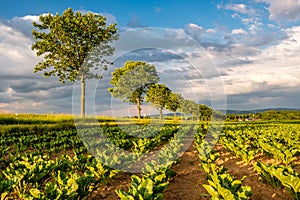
x=139, y=108
x=82, y=96
x=174, y=116
x=160, y=113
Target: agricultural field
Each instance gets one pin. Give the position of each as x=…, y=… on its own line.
x=49, y=157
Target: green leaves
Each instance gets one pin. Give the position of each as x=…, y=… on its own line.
x=221, y=185
x=73, y=46
x=159, y=96
x=132, y=81
x=149, y=187
x=156, y=175
x=5, y=187
x=67, y=40
x=278, y=175
x=224, y=186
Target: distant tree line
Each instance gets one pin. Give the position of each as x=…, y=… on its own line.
x=267, y=115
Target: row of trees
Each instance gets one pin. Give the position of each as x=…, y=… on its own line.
x=73, y=45
x=137, y=82
x=266, y=115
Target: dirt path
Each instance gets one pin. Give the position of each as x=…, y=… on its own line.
x=187, y=184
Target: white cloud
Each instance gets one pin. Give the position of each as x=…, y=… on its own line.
x=283, y=10
x=33, y=18
x=195, y=27
x=16, y=56
x=240, y=8
x=22, y=24
x=23, y=90
x=211, y=31
x=277, y=66
x=253, y=23
x=198, y=32
x=239, y=31
x=9, y=91
x=247, y=65
x=288, y=48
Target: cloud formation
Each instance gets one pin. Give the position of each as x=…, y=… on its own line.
x=258, y=62
x=287, y=10
x=240, y=8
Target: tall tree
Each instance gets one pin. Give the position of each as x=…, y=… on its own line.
x=132, y=81
x=173, y=103
x=158, y=95
x=205, y=112
x=187, y=106
x=73, y=46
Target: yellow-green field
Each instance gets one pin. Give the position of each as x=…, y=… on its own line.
x=52, y=156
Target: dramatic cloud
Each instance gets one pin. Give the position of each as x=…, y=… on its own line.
x=273, y=72
x=260, y=68
x=287, y=10
x=257, y=61
x=21, y=89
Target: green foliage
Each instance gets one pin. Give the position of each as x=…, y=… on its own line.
x=142, y=189
x=187, y=106
x=156, y=175
x=28, y=175
x=154, y=181
x=269, y=115
x=5, y=187
x=278, y=175
x=73, y=46
x=205, y=112
x=173, y=103
x=159, y=96
x=224, y=186
x=29, y=171
x=279, y=141
x=279, y=151
x=265, y=173
x=66, y=40
x=132, y=81
x=144, y=145
x=290, y=180
x=208, y=165
x=221, y=185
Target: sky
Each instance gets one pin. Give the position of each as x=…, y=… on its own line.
x=235, y=54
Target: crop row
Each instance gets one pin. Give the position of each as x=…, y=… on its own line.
x=280, y=142
x=57, y=165
x=221, y=185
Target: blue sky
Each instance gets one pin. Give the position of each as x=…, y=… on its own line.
x=254, y=45
x=150, y=13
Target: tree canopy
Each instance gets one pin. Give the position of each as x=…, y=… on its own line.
x=158, y=95
x=173, y=103
x=73, y=46
x=132, y=81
